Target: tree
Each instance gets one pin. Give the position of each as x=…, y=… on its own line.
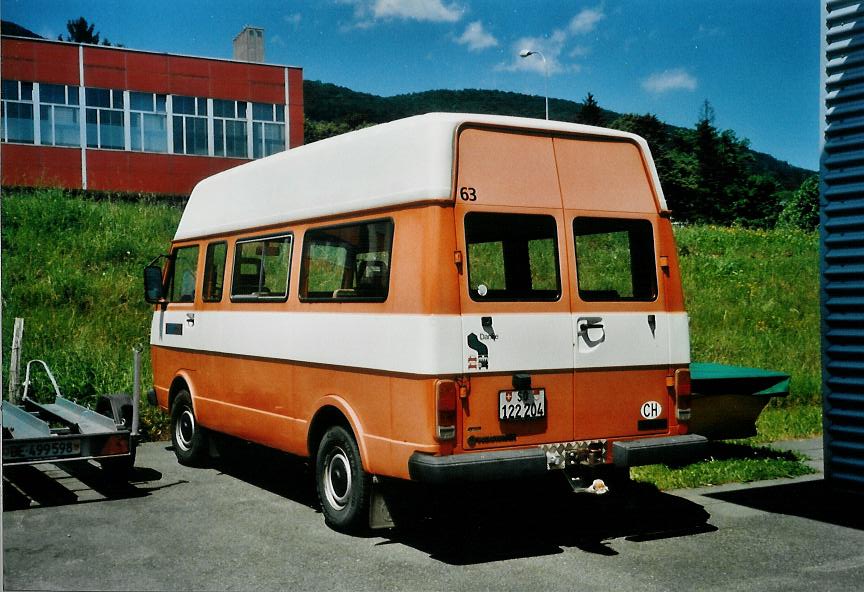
x=591, y=113
x=80, y=31
x=648, y=126
x=801, y=210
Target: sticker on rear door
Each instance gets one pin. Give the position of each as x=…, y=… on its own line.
x=651, y=410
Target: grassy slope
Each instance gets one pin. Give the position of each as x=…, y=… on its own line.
x=72, y=269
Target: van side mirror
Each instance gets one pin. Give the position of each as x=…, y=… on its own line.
x=153, y=291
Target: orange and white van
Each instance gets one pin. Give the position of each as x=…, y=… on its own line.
x=441, y=298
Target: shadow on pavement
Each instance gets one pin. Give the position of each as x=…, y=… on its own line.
x=494, y=522
x=815, y=500
x=266, y=468
x=29, y=486
x=480, y=523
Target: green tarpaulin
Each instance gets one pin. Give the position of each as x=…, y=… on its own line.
x=708, y=379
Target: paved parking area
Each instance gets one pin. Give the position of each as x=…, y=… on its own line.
x=250, y=522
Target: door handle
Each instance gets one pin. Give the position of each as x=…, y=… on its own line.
x=588, y=323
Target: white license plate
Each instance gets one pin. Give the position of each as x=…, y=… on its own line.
x=522, y=405
x=36, y=450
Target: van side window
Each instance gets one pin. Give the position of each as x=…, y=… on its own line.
x=512, y=257
x=181, y=279
x=615, y=259
x=261, y=268
x=347, y=262
x=214, y=271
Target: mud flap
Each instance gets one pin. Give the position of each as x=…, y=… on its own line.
x=379, y=512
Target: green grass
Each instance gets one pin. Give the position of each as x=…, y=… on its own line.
x=753, y=300
x=727, y=463
x=72, y=268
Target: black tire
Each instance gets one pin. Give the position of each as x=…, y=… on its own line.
x=118, y=407
x=189, y=438
x=344, y=488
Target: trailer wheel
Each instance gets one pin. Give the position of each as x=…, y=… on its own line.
x=344, y=488
x=118, y=407
x=188, y=438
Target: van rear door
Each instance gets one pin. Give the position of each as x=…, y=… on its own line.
x=622, y=324
x=517, y=343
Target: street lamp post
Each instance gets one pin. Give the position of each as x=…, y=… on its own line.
x=529, y=52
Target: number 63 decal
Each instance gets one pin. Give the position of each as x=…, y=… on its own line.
x=467, y=194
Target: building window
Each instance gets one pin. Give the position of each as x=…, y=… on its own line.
x=104, y=118
x=190, y=125
x=59, y=115
x=268, y=129
x=229, y=128
x=148, y=122
x=16, y=112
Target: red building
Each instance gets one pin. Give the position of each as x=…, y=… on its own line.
x=114, y=119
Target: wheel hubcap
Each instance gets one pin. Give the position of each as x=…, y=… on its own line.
x=185, y=429
x=337, y=479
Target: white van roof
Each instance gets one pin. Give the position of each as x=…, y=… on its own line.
x=402, y=162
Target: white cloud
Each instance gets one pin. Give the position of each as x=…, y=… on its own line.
x=676, y=79
x=585, y=21
x=418, y=10
x=550, y=48
x=580, y=51
x=476, y=37
x=554, y=45
x=293, y=19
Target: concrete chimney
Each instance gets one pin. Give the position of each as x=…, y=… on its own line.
x=249, y=45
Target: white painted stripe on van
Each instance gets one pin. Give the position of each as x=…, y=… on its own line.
x=552, y=341
x=427, y=344
x=630, y=339
x=391, y=342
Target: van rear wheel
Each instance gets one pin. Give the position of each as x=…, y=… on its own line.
x=188, y=438
x=344, y=488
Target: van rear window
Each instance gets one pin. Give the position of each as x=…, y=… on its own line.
x=615, y=259
x=512, y=257
x=261, y=268
x=347, y=262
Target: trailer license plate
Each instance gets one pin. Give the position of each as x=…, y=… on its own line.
x=38, y=450
x=522, y=405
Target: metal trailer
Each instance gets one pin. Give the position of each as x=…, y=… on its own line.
x=64, y=431
x=842, y=243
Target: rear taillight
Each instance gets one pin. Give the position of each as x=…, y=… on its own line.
x=446, y=393
x=682, y=394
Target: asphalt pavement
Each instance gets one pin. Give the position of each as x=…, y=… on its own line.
x=250, y=522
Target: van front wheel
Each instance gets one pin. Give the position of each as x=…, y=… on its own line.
x=188, y=438
x=344, y=488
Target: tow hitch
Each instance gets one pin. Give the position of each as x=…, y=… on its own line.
x=579, y=462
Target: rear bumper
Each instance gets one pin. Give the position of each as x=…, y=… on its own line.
x=650, y=451
x=532, y=462
x=477, y=466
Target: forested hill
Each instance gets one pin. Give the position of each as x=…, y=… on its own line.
x=341, y=109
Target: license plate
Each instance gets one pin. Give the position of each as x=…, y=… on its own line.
x=522, y=405
x=36, y=450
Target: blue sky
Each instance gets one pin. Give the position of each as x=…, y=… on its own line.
x=756, y=61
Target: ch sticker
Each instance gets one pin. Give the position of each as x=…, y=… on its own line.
x=651, y=410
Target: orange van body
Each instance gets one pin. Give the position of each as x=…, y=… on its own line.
x=516, y=310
